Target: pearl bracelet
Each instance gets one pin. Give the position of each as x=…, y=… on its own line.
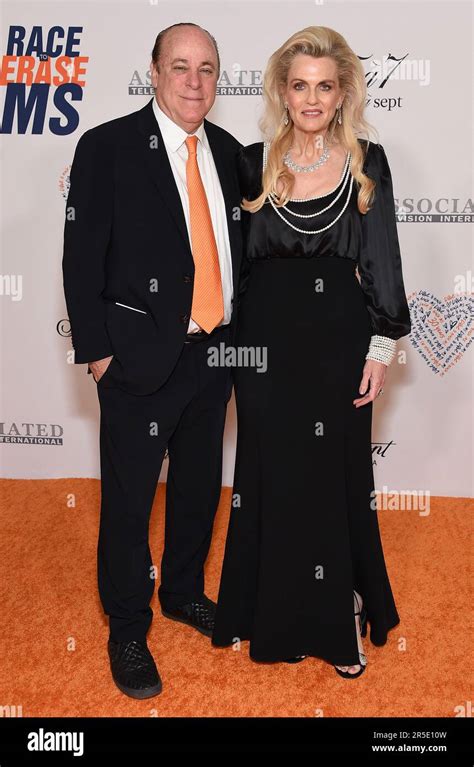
x=381, y=349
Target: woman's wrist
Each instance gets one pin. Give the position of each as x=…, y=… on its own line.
x=381, y=349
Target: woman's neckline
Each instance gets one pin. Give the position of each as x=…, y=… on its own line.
x=326, y=194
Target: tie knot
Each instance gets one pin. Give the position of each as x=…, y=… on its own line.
x=191, y=143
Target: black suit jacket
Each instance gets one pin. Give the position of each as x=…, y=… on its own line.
x=125, y=240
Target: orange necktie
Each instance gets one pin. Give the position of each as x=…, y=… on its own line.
x=208, y=303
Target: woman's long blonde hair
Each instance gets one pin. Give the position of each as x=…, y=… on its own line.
x=317, y=42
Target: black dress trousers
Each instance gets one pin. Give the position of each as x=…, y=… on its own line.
x=187, y=416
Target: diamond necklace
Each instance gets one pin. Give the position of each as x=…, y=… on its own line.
x=306, y=168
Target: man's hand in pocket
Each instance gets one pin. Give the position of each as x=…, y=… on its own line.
x=99, y=367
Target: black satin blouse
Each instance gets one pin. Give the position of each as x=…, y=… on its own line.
x=370, y=240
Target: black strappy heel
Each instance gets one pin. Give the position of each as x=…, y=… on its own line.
x=362, y=613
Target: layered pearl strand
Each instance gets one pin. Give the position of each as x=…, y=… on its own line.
x=346, y=174
x=381, y=348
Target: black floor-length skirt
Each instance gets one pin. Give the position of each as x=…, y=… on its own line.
x=303, y=531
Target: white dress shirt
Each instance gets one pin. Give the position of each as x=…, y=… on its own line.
x=174, y=139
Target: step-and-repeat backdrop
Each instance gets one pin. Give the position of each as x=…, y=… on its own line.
x=417, y=57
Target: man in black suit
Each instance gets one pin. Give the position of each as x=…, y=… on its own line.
x=152, y=254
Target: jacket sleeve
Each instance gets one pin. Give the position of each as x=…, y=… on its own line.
x=380, y=265
x=87, y=233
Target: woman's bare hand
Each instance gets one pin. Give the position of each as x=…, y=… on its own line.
x=373, y=378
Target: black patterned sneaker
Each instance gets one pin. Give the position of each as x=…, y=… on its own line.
x=200, y=615
x=133, y=669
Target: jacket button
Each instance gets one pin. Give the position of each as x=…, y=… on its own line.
x=184, y=318
x=187, y=278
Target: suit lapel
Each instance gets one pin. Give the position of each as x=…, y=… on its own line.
x=157, y=165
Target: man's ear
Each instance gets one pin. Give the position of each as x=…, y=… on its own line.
x=153, y=73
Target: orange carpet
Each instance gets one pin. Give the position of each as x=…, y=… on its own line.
x=54, y=634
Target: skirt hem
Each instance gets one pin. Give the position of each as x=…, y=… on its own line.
x=299, y=651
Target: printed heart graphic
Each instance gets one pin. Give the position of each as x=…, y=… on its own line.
x=441, y=330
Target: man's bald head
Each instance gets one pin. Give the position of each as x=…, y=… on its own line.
x=165, y=33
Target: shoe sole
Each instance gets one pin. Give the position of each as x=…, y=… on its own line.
x=206, y=632
x=295, y=660
x=148, y=692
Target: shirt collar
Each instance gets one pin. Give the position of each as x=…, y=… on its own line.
x=173, y=135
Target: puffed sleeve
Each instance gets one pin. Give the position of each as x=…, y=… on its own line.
x=380, y=265
x=249, y=173
x=249, y=170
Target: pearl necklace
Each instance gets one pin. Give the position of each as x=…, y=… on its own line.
x=345, y=176
x=315, y=231
x=306, y=231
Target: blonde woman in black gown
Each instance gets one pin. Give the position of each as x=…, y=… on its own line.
x=304, y=568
